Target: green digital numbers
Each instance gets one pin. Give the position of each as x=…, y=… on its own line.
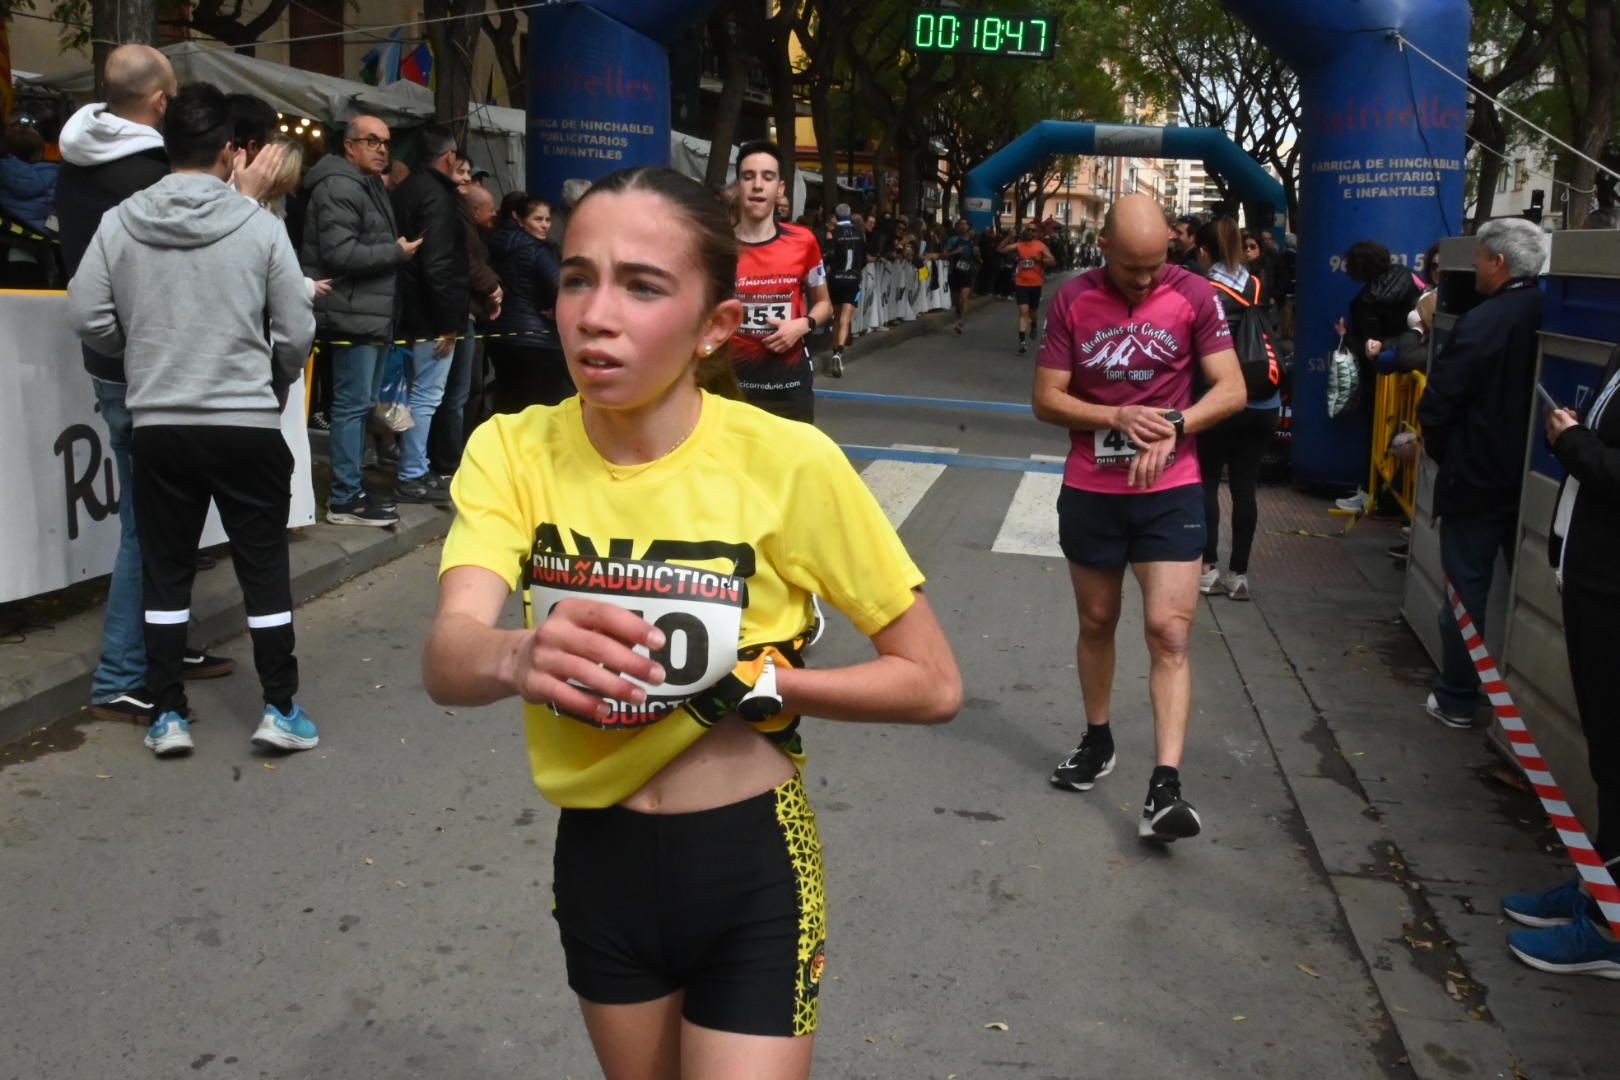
x=984, y=33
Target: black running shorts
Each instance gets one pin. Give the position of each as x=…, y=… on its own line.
x=1027, y=296
x=1105, y=531
x=843, y=291
x=961, y=279
x=725, y=904
x=793, y=403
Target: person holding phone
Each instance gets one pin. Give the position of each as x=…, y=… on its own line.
x=1565, y=932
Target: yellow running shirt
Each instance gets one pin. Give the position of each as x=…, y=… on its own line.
x=735, y=527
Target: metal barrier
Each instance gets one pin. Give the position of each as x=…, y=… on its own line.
x=1394, y=411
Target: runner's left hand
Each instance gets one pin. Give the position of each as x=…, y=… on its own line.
x=786, y=333
x=1148, y=466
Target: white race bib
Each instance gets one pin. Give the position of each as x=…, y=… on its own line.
x=1112, y=448
x=757, y=318
x=699, y=611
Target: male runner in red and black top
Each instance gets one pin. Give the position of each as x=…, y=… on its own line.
x=783, y=288
x=1123, y=344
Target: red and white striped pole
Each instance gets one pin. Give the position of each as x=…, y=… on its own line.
x=1587, y=861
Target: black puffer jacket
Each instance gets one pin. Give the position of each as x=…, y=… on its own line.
x=1379, y=310
x=1592, y=456
x=528, y=270
x=349, y=236
x=433, y=287
x=1476, y=410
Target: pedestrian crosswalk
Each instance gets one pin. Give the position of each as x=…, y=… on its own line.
x=901, y=476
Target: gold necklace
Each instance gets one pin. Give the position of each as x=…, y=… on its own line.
x=619, y=472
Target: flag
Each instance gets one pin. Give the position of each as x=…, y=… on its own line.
x=381, y=65
x=418, y=66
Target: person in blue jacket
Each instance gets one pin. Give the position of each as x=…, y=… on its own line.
x=27, y=181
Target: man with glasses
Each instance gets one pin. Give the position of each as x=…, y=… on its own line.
x=350, y=237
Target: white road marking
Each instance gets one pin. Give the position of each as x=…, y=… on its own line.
x=1030, y=526
x=900, y=485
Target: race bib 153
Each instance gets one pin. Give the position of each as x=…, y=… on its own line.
x=699, y=611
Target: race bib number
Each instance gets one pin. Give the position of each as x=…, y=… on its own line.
x=757, y=318
x=699, y=611
x=1112, y=449
x=1026, y=264
x=964, y=265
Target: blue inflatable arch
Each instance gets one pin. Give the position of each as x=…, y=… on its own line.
x=1249, y=182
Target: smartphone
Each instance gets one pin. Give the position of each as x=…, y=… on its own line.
x=1550, y=401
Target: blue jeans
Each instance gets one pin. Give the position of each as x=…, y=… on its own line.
x=123, y=632
x=1468, y=547
x=356, y=374
x=449, y=434
x=428, y=375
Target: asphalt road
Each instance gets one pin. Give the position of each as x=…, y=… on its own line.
x=378, y=907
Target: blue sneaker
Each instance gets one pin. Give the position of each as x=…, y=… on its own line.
x=169, y=734
x=1558, y=906
x=1579, y=948
x=286, y=732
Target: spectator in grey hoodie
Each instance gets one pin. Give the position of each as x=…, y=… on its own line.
x=199, y=293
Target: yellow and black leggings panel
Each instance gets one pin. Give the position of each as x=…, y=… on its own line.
x=727, y=905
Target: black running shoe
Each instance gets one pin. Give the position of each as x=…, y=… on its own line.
x=132, y=706
x=1089, y=763
x=197, y=664
x=1166, y=815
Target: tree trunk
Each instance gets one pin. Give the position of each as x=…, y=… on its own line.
x=825, y=125
x=452, y=43
x=1487, y=130
x=510, y=55
x=779, y=72
x=723, y=130
x=119, y=22
x=1594, y=133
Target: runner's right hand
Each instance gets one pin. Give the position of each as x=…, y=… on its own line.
x=1142, y=424
x=590, y=643
x=408, y=246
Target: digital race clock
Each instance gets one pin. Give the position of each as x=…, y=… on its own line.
x=983, y=33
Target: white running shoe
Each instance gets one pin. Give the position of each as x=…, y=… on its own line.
x=1209, y=582
x=1237, y=586
x=1353, y=504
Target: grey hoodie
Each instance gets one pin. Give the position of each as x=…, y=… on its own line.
x=199, y=291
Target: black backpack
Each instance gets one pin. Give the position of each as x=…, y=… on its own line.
x=1252, y=340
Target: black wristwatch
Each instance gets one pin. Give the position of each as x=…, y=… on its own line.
x=811, y=319
x=1180, y=423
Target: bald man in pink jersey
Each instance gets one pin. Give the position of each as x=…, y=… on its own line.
x=1117, y=370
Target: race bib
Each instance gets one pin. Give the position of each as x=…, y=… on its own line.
x=1112, y=448
x=757, y=318
x=1026, y=264
x=699, y=611
x=964, y=265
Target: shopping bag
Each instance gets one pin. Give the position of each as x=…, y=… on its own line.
x=1344, y=379
x=394, y=395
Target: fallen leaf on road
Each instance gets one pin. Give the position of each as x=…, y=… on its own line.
x=368, y=862
x=103, y=776
x=995, y=1025
x=871, y=1040
x=379, y=686
x=1306, y=968
x=1451, y=988
x=269, y=766
x=401, y=884
x=1240, y=1017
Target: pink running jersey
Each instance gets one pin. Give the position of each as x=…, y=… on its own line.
x=1119, y=354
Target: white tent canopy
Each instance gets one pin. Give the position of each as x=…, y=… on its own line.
x=495, y=134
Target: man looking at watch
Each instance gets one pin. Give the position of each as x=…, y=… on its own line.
x=1117, y=370
x=782, y=284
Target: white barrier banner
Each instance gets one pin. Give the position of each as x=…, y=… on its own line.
x=58, y=484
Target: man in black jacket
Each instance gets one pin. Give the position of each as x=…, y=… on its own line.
x=1475, y=417
x=433, y=290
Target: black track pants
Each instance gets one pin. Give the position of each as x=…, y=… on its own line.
x=247, y=472
x=1594, y=657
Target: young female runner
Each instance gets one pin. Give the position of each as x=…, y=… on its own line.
x=667, y=541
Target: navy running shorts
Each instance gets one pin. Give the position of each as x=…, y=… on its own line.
x=727, y=905
x=1105, y=531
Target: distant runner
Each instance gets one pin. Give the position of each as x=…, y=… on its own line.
x=783, y=288
x=846, y=262
x=962, y=255
x=1029, y=275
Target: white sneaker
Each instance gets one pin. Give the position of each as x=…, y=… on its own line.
x=169, y=734
x=1461, y=723
x=1237, y=586
x=1353, y=504
x=1209, y=582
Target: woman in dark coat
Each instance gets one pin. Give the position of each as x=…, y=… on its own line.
x=529, y=367
x=1566, y=934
